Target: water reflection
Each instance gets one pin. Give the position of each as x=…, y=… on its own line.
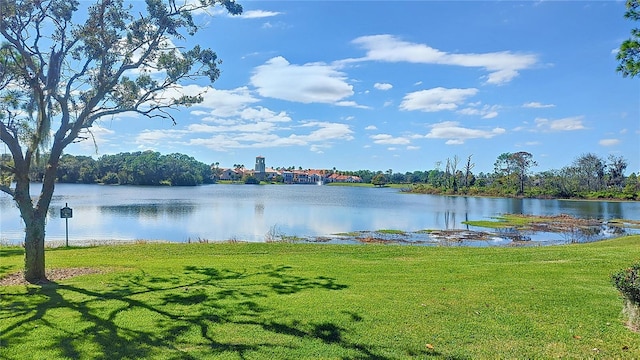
x=606, y=209
x=448, y=220
x=259, y=210
x=153, y=211
x=222, y=212
x=513, y=234
x=516, y=206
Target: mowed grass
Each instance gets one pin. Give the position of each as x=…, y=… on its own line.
x=309, y=301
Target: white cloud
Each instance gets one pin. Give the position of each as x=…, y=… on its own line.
x=456, y=135
x=537, y=105
x=565, y=124
x=502, y=66
x=350, y=104
x=389, y=139
x=609, y=142
x=258, y=14
x=309, y=83
x=264, y=135
x=328, y=131
x=486, y=111
x=217, y=143
x=490, y=115
x=218, y=102
x=454, y=142
x=436, y=99
x=261, y=127
x=317, y=149
x=262, y=113
x=158, y=137
x=382, y=86
x=371, y=127
x=227, y=102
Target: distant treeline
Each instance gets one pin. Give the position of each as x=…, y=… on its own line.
x=588, y=176
x=137, y=168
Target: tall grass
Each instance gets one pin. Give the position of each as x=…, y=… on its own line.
x=308, y=301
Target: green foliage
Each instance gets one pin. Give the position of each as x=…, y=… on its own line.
x=629, y=54
x=6, y=164
x=77, y=169
x=138, y=168
x=109, y=179
x=251, y=180
x=627, y=281
x=589, y=176
x=391, y=232
x=379, y=180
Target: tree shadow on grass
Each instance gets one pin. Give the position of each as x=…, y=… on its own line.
x=199, y=313
x=11, y=251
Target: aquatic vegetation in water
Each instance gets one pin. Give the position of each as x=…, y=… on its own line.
x=505, y=230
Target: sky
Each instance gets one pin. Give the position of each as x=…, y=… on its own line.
x=401, y=85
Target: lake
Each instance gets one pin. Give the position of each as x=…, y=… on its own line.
x=256, y=213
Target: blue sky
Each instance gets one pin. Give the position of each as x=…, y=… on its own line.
x=401, y=85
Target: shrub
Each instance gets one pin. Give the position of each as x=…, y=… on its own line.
x=251, y=180
x=627, y=281
x=110, y=178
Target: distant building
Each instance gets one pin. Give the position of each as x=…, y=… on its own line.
x=230, y=174
x=260, y=172
x=344, y=178
x=271, y=174
x=287, y=177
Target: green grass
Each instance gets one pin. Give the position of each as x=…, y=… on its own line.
x=508, y=221
x=491, y=224
x=391, y=232
x=308, y=301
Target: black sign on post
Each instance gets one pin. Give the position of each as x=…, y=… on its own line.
x=66, y=213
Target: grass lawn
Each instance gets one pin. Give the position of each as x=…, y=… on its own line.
x=309, y=301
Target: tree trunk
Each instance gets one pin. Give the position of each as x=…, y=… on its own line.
x=34, y=249
x=632, y=312
x=35, y=219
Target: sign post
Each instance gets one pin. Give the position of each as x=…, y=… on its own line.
x=66, y=212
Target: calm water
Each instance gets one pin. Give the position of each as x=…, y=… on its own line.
x=243, y=212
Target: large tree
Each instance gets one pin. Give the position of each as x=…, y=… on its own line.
x=629, y=53
x=590, y=171
x=63, y=66
x=521, y=162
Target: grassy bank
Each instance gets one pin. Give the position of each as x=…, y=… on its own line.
x=264, y=301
